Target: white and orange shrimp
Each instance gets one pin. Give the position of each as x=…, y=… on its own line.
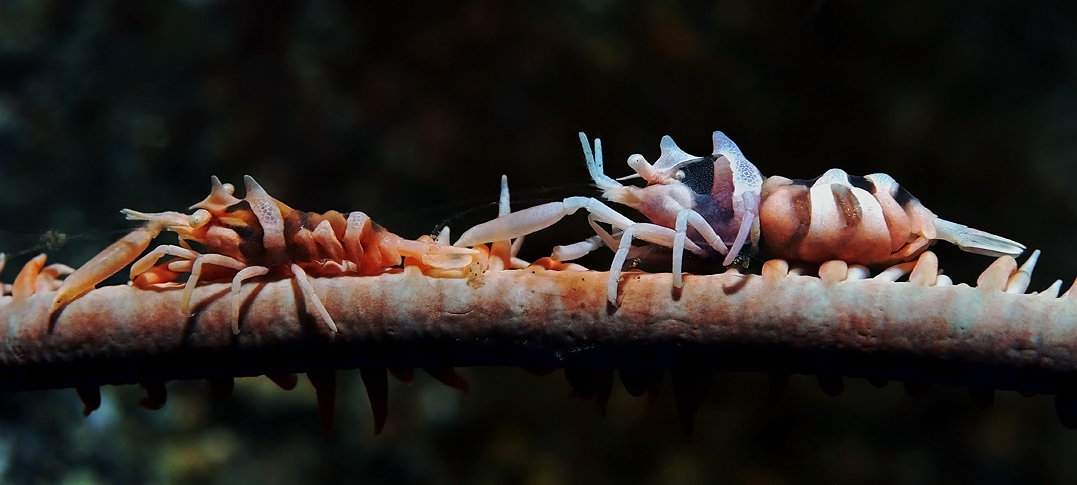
x=699, y=203
x=249, y=237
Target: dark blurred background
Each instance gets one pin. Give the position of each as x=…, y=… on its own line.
x=410, y=111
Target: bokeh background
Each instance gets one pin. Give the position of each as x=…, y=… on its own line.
x=410, y=111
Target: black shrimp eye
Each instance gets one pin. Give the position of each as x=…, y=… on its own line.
x=698, y=175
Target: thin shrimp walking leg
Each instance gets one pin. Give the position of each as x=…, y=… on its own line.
x=196, y=271
x=578, y=250
x=685, y=218
x=602, y=238
x=312, y=298
x=618, y=263
x=148, y=261
x=750, y=201
x=569, y=252
x=244, y=274
x=652, y=233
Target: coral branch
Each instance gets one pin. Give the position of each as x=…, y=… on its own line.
x=536, y=318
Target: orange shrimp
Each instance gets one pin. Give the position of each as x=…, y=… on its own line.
x=249, y=237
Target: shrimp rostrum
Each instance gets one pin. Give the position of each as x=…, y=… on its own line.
x=251, y=237
x=718, y=206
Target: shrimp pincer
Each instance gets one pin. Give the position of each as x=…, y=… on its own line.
x=249, y=237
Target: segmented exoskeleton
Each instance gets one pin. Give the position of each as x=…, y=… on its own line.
x=699, y=203
x=255, y=235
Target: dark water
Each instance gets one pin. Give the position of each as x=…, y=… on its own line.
x=412, y=112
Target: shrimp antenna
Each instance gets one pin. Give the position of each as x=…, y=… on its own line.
x=594, y=164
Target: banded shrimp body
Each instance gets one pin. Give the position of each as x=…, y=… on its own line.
x=250, y=237
x=717, y=206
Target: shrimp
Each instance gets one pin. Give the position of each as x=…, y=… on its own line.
x=252, y=236
x=698, y=204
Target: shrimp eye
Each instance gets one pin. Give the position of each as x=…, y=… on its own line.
x=199, y=218
x=229, y=188
x=679, y=175
x=698, y=175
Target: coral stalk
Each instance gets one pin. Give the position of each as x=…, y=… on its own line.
x=776, y=322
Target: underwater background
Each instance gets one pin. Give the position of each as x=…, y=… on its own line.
x=411, y=111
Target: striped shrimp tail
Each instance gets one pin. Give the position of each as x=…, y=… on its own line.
x=976, y=241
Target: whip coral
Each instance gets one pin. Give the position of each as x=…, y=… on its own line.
x=991, y=336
